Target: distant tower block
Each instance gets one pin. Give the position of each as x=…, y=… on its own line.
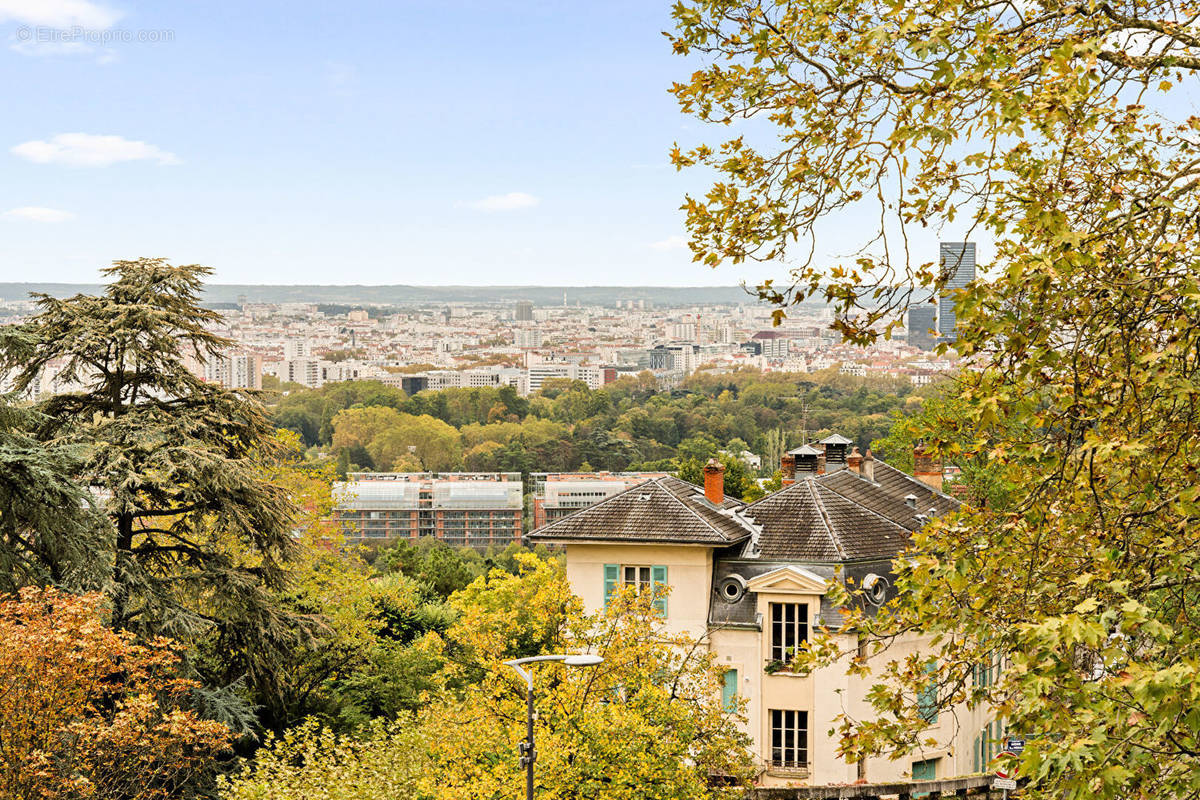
x=523, y=311
x=958, y=262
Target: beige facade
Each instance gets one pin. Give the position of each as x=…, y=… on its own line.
x=822, y=696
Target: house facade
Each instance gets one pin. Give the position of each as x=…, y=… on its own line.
x=751, y=580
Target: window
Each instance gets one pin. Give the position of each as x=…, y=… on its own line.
x=729, y=691
x=789, y=629
x=789, y=739
x=637, y=577
x=641, y=578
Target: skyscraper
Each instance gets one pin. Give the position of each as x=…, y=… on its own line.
x=958, y=261
x=523, y=311
x=922, y=325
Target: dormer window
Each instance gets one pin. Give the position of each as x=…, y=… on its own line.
x=789, y=630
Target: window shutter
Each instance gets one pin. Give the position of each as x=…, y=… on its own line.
x=927, y=698
x=729, y=691
x=610, y=582
x=658, y=578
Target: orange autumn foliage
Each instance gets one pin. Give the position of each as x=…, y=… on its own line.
x=87, y=713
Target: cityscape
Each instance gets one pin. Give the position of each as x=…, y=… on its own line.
x=434, y=346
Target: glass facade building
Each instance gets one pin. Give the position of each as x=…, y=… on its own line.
x=475, y=509
x=957, y=260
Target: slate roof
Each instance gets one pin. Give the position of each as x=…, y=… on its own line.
x=841, y=516
x=663, y=510
x=834, y=518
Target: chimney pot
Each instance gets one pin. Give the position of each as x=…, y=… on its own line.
x=787, y=466
x=868, y=466
x=714, y=482
x=854, y=461
x=926, y=468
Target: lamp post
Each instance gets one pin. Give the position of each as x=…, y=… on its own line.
x=527, y=752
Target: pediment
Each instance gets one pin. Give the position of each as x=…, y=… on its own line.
x=788, y=580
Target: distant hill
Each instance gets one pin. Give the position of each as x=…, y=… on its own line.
x=416, y=295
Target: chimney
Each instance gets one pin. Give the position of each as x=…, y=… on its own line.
x=787, y=465
x=854, y=461
x=714, y=482
x=926, y=468
x=821, y=464
x=868, y=466
x=910, y=500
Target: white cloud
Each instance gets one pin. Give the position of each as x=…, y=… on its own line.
x=89, y=150
x=670, y=243
x=50, y=49
x=506, y=202
x=36, y=214
x=58, y=13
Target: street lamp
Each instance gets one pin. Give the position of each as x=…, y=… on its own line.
x=527, y=752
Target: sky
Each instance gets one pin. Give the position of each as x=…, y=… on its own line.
x=412, y=142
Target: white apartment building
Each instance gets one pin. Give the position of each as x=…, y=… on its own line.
x=234, y=371
x=528, y=338
x=540, y=373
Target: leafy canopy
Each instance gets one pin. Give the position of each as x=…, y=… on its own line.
x=1063, y=133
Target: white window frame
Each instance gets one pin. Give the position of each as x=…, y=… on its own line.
x=784, y=721
x=782, y=629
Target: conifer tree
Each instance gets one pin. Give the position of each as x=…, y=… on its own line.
x=197, y=538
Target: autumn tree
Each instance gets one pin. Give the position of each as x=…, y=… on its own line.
x=1062, y=133
x=86, y=712
x=646, y=723
x=198, y=540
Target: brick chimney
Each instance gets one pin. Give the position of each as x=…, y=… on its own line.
x=868, y=466
x=854, y=460
x=714, y=482
x=787, y=465
x=926, y=468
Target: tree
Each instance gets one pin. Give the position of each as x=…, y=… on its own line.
x=647, y=723
x=85, y=712
x=1059, y=132
x=314, y=763
x=198, y=541
x=50, y=532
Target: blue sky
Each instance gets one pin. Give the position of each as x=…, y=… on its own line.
x=474, y=142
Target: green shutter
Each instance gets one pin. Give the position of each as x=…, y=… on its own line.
x=658, y=578
x=924, y=770
x=729, y=691
x=611, y=572
x=927, y=698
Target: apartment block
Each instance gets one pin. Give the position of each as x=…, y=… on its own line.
x=474, y=509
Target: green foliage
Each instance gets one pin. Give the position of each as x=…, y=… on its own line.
x=567, y=425
x=647, y=723
x=309, y=762
x=50, y=532
x=1064, y=134
x=198, y=539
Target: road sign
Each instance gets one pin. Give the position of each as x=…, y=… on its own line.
x=1014, y=745
x=1004, y=783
